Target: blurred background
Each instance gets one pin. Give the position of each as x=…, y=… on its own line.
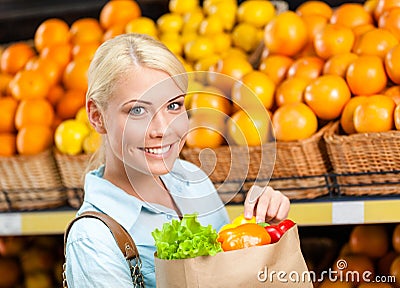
x=20, y=18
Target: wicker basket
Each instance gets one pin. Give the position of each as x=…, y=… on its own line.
x=365, y=163
x=30, y=183
x=72, y=171
x=300, y=171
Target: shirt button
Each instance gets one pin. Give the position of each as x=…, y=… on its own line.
x=169, y=217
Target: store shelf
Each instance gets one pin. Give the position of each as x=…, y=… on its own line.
x=309, y=213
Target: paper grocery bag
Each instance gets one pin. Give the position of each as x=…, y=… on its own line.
x=275, y=265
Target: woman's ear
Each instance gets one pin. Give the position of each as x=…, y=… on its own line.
x=95, y=116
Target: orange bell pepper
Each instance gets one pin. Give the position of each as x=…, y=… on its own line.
x=243, y=236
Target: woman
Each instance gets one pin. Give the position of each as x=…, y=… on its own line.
x=135, y=98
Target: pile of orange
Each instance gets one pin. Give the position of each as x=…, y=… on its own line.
x=341, y=64
x=373, y=251
x=318, y=56
x=44, y=82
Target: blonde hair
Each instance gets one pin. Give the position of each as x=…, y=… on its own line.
x=116, y=57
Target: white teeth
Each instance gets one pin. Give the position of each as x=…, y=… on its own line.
x=158, y=150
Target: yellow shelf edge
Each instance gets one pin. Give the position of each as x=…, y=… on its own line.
x=49, y=222
x=304, y=214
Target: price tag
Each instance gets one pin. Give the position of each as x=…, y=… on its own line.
x=348, y=212
x=10, y=224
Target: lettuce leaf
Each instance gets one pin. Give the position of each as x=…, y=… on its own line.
x=185, y=238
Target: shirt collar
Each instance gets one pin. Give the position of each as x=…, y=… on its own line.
x=110, y=199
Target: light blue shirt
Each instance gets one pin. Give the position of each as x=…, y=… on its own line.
x=93, y=258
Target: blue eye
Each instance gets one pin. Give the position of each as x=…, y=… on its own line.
x=137, y=111
x=175, y=106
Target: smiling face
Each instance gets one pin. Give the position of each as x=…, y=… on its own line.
x=146, y=122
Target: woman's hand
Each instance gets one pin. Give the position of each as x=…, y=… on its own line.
x=267, y=204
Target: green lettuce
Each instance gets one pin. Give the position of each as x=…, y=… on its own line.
x=185, y=238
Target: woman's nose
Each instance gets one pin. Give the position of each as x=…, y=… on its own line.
x=158, y=125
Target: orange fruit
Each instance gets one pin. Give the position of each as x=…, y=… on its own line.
x=4, y=83
x=33, y=139
x=333, y=39
x=276, y=67
x=293, y=122
x=146, y=25
x=204, y=131
x=383, y=264
x=56, y=92
x=308, y=50
x=210, y=98
x=383, y=6
x=114, y=30
x=356, y=265
x=392, y=64
x=28, y=84
x=307, y=67
x=8, y=107
x=75, y=74
x=228, y=70
x=346, y=119
x=314, y=23
x=291, y=90
x=255, y=88
x=70, y=103
x=249, y=128
x=235, y=68
x=351, y=15
x=84, y=50
x=36, y=111
x=370, y=6
x=390, y=20
x=338, y=64
x=319, y=8
x=395, y=269
x=366, y=69
x=86, y=30
x=15, y=56
x=51, y=32
x=327, y=95
x=394, y=92
x=359, y=31
x=377, y=42
x=375, y=114
x=118, y=12
x=396, y=238
x=369, y=240
x=47, y=67
x=396, y=115
x=8, y=146
x=285, y=34
x=60, y=53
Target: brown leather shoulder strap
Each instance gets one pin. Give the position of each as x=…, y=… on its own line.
x=121, y=236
